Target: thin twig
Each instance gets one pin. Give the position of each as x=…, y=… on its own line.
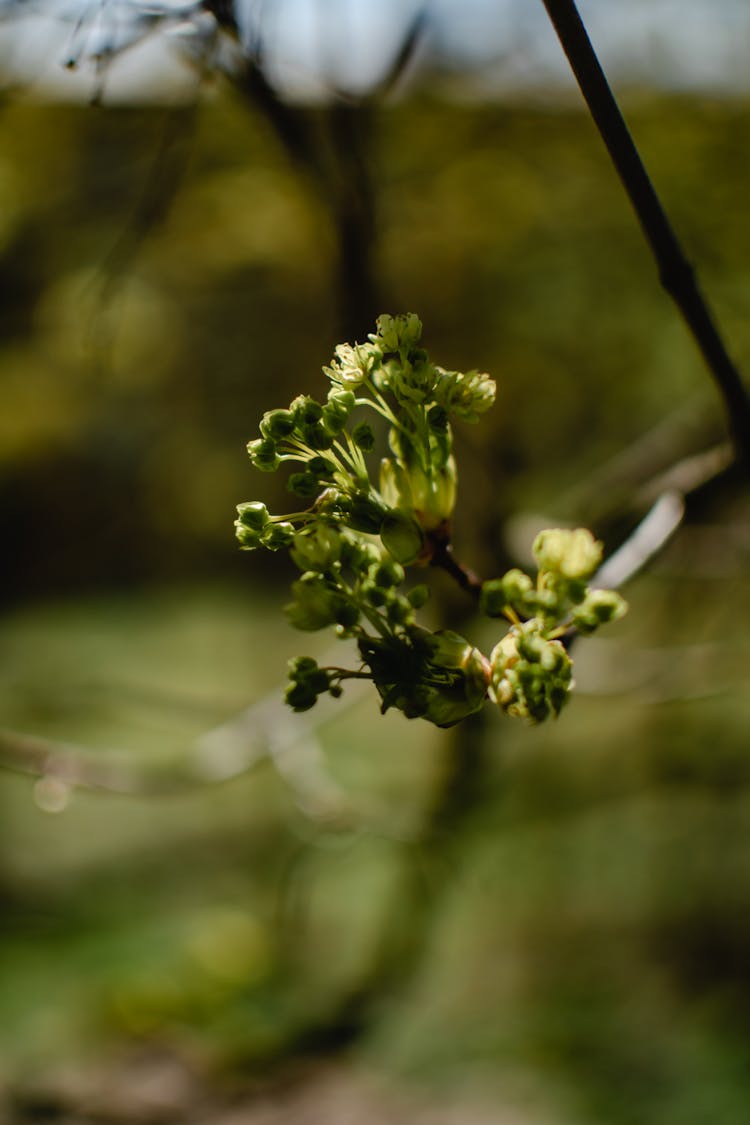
x=676, y=273
x=444, y=559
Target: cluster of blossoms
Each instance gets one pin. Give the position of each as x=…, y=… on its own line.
x=353, y=540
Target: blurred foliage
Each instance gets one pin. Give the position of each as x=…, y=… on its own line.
x=588, y=948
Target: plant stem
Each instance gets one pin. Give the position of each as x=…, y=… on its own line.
x=444, y=558
x=675, y=272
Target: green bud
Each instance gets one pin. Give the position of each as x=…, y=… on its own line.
x=263, y=455
x=253, y=514
x=278, y=536
x=322, y=467
x=277, y=424
x=347, y=615
x=418, y=596
x=374, y=595
x=402, y=537
x=599, y=608
x=363, y=437
x=437, y=419
x=363, y=512
x=304, y=484
x=387, y=574
x=334, y=418
x=342, y=399
x=300, y=697
x=399, y=611
x=305, y=410
x=316, y=436
x=514, y=589
x=571, y=554
x=301, y=666
x=247, y=537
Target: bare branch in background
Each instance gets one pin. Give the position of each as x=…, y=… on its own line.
x=676, y=273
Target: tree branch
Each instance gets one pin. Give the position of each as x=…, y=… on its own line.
x=676, y=273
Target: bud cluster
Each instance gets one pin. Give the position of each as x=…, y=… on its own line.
x=353, y=541
x=531, y=671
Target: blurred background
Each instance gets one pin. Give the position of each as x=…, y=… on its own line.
x=215, y=911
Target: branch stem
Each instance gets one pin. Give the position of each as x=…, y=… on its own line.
x=675, y=272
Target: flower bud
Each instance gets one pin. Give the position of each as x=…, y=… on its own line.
x=304, y=484
x=387, y=574
x=418, y=596
x=571, y=554
x=363, y=512
x=322, y=467
x=263, y=455
x=253, y=514
x=248, y=538
x=599, y=608
x=278, y=536
x=277, y=424
x=363, y=437
x=512, y=590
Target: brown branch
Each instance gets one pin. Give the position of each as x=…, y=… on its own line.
x=444, y=559
x=676, y=273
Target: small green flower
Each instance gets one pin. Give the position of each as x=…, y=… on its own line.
x=351, y=365
x=464, y=396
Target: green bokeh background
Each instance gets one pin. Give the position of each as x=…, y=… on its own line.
x=585, y=955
